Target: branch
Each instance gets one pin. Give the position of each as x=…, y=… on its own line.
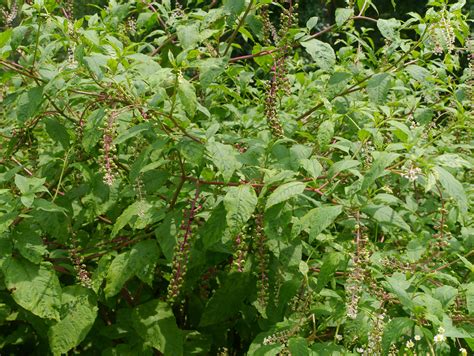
x=241, y=22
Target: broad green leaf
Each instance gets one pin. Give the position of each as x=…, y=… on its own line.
x=382, y=160
x=209, y=70
x=29, y=103
x=140, y=261
x=342, y=166
x=453, y=187
x=224, y=158
x=398, y=285
x=95, y=63
x=321, y=52
x=30, y=245
x=187, y=96
x=386, y=215
x=132, y=132
x=313, y=21
x=325, y=134
x=445, y=294
x=227, y=300
x=285, y=192
x=188, y=35
x=298, y=346
x=329, y=265
x=79, y=310
x=33, y=287
x=240, y=203
x=30, y=184
x=342, y=15
x=418, y=73
x=312, y=166
x=234, y=7
x=395, y=329
x=328, y=349
x=378, y=87
x=136, y=209
x=389, y=28
x=154, y=321
x=318, y=219
x=452, y=160
x=57, y=131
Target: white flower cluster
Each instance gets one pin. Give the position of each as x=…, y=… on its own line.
x=412, y=173
x=280, y=337
x=440, y=337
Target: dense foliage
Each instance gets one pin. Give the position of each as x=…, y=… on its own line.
x=215, y=179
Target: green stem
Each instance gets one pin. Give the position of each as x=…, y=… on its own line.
x=61, y=175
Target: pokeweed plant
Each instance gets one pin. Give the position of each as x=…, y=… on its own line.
x=212, y=178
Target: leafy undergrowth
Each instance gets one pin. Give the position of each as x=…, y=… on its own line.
x=215, y=179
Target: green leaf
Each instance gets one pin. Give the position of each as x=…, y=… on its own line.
x=33, y=287
x=57, y=131
x=136, y=209
x=240, y=203
x=154, y=321
x=79, y=310
x=396, y=328
x=342, y=15
x=325, y=134
x=234, y=7
x=389, y=28
x=378, y=87
x=298, y=346
x=188, y=35
x=224, y=158
x=30, y=184
x=418, y=73
x=29, y=103
x=285, y=192
x=330, y=263
x=187, y=96
x=318, y=219
x=342, y=166
x=313, y=21
x=383, y=160
x=321, y=52
x=453, y=187
x=329, y=349
x=132, y=132
x=227, y=300
x=386, y=215
x=30, y=245
x=398, y=285
x=446, y=295
x=140, y=261
x=312, y=166
x=95, y=63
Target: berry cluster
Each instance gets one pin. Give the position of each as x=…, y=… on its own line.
x=278, y=83
x=109, y=150
x=10, y=16
x=263, y=259
x=181, y=252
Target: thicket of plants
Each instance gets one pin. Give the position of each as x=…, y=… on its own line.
x=213, y=179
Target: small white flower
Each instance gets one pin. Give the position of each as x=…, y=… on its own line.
x=360, y=350
x=338, y=337
x=410, y=344
x=441, y=330
x=463, y=351
x=439, y=338
x=417, y=337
